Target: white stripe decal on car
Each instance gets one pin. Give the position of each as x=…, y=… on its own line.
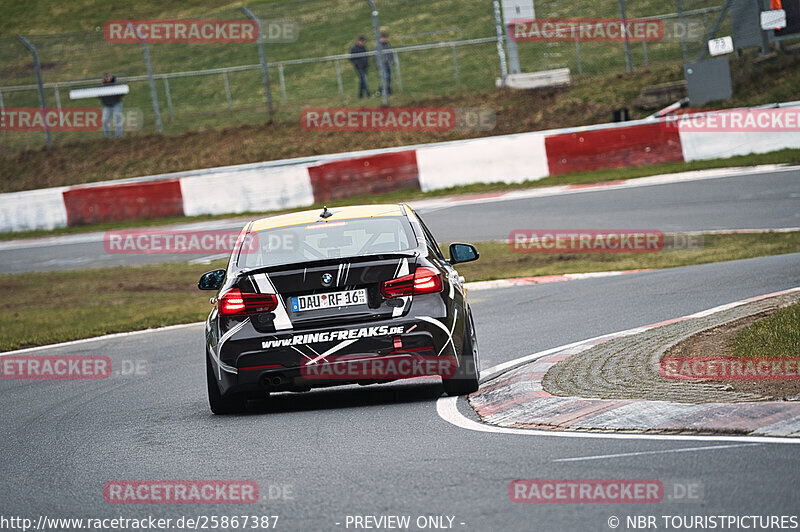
x=333, y=350
x=305, y=355
x=402, y=269
x=442, y=327
x=216, y=356
x=265, y=286
x=451, y=282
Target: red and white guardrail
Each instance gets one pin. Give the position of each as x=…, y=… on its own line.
x=304, y=181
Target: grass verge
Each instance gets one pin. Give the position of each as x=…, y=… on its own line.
x=776, y=335
x=499, y=261
x=786, y=156
x=63, y=306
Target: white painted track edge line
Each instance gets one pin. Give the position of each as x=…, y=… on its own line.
x=635, y=182
x=447, y=408
x=660, y=451
x=104, y=337
x=448, y=411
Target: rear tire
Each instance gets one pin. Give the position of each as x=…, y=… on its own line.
x=465, y=381
x=220, y=405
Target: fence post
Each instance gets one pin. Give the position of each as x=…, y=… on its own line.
x=578, y=53
x=2, y=109
x=501, y=52
x=263, y=59
x=37, y=69
x=644, y=50
x=58, y=99
x=455, y=64
x=169, y=98
x=227, y=90
x=153, y=94
x=399, y=75
x=683, y=30
x=283, y=84
x=379, y=56
x=628, y=62
x=339, y=77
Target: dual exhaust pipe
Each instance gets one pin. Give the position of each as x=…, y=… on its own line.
x=272, y=381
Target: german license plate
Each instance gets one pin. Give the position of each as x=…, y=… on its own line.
x=345, y=298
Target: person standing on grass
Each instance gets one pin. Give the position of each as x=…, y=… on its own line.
x=360, y=63
x=389, y=57
x=112, y=106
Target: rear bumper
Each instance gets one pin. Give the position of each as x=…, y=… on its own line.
x=367, y=353
x=357, y=369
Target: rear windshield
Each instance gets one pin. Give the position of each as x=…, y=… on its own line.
x=327, y=240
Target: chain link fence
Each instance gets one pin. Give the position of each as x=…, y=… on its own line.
x=441, y=48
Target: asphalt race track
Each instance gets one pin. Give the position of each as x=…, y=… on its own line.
x=755, y=202
x=767, y=200
x=383, y=450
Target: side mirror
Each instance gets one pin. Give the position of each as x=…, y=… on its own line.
x=211, y=280
x=463, y=253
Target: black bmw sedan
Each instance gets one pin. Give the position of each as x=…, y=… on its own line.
x=338, y=296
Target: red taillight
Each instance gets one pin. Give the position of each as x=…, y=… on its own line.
x=423, y=281
x=427, y=281
x=234, y=302
x=402, y=286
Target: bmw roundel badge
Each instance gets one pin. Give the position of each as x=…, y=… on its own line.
x=327, y=279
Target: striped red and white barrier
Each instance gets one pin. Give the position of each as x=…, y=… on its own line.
x=304, y=181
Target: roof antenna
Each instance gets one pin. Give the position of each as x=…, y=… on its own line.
x=325, y=213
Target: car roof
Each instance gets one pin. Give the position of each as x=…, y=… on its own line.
x=337, y=214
